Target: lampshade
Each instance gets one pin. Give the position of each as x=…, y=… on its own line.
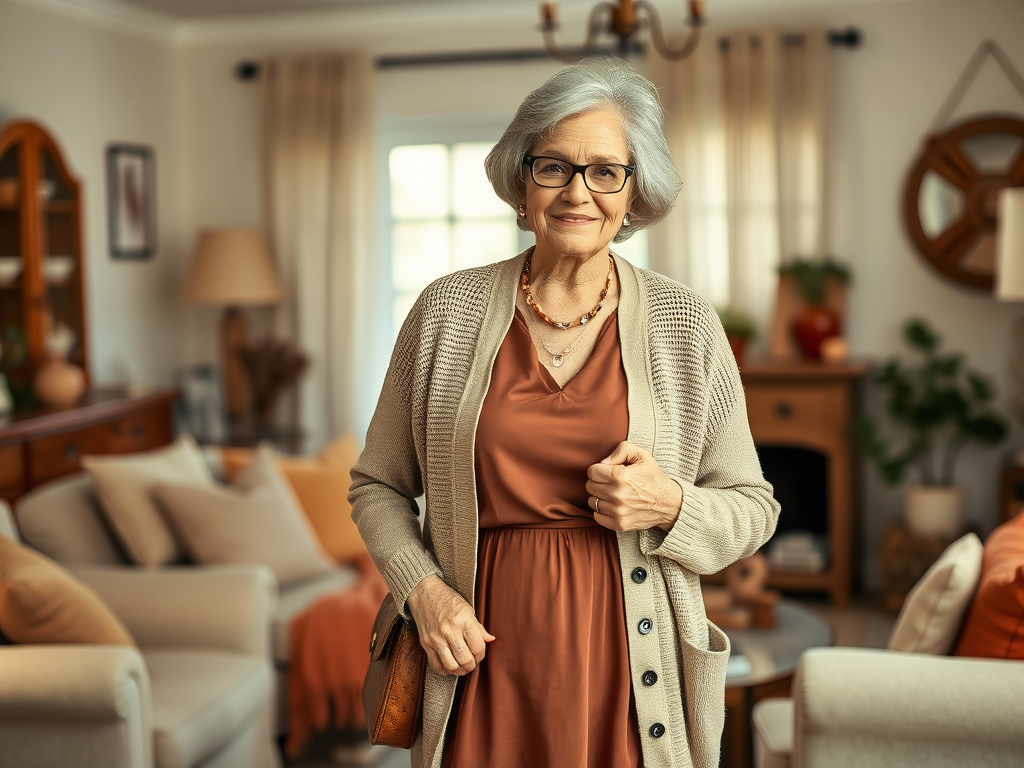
x=231, y=267
x=1010, y=245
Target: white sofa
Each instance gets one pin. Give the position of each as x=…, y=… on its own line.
x=868, y=708
x=63, y=519
x=199, y=692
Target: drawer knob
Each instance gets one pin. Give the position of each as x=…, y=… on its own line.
x=783, y=410
x=70, y=450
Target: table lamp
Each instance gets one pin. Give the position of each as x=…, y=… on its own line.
x=1010, y=283
x=232, y=268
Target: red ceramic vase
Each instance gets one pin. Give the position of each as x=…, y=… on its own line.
x=811, y=326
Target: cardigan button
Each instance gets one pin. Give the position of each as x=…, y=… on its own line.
x=639, y=575
x=645, y=626
x=657, y=730
x=650, y=677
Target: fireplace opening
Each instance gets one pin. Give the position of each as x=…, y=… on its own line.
x=799, y=477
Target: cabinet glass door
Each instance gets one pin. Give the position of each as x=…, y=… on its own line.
x=14, y=345
x=61, y=262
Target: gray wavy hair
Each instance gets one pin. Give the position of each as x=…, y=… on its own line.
x=607, y=84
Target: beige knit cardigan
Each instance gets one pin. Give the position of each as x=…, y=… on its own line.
x=686, y=406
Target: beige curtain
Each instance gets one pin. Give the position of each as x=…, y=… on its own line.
x=318, y=129
x=748, y=127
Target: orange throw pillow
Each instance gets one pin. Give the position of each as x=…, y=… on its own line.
x=40, y=602
x=321, y=484
x=995, y=623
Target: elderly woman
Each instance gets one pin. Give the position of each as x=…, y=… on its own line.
x=579, y=429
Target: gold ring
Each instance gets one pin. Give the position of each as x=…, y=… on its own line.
x=597, y=506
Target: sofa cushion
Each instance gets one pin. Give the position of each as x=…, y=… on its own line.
x=934, y=610
x=63, y=519
x=257, y=520
x=40, y=602
x=124, y=485
x=201, y=700
x=297, y=597
x=772, y=721
x=321, y=484
x=995, y=623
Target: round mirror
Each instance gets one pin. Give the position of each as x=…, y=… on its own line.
x=950, y=197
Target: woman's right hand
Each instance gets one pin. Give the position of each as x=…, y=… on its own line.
x=454, y=640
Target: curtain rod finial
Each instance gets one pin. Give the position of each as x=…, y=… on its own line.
x=247, y=70
x=851, y=37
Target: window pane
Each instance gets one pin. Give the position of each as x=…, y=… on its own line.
x=472, y=194
x=478, y=243
x=400, y=306
x=633, y=250
x=419, y=254
x=419, y=181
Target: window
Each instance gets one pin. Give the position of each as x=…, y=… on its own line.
x=444, y=216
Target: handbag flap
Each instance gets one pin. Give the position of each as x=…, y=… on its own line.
x=385, y=627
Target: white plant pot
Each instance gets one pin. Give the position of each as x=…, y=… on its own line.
x=935, y=510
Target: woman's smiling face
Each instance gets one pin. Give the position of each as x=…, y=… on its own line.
x=572, y=220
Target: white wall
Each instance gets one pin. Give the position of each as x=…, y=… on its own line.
x=92, y=86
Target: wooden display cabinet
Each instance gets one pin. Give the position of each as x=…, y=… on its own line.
x=41, y=259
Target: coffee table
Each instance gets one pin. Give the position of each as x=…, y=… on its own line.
x=771, y=656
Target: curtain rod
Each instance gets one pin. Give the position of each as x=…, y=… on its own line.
x=851, y=37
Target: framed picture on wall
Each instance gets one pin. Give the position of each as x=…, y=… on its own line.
x=131, y=209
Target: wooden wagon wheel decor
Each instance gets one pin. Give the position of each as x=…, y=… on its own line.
x=951, y=193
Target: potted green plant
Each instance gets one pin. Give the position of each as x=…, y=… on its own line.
x=739, y=329
x=941, y=406
x=816, y=321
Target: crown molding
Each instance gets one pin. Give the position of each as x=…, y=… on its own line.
x=111, y=14
x=355, y=23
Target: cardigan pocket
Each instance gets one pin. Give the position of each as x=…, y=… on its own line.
x=704, y=684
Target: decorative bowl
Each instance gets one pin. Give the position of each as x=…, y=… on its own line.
x=58, y=268
x=10, y=268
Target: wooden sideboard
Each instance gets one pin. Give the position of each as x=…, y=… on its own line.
x=40, y=445
x=810, y=405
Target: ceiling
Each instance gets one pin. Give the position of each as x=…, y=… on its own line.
x=195, y=9
x=198, y=9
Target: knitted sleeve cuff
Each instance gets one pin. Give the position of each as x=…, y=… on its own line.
x=677, y=543
x=407, y=568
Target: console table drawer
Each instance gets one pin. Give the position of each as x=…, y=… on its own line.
x=50, y=457
x=143, y=432
x=791, y=410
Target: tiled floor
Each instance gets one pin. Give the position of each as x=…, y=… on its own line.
x=863, y=624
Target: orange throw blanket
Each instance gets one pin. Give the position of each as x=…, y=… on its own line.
x=330, y=653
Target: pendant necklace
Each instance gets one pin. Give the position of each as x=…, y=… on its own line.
x=524, y=283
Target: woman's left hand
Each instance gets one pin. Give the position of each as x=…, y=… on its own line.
x=629, y=491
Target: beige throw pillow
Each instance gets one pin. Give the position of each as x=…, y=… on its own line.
x=258, y=520
x=40, y=602
x=124, y=485
x=934, y=610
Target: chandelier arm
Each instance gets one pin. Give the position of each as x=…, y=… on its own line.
x=593, y=30
x=658, y=35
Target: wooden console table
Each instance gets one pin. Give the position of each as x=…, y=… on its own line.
x=39, y=445
x=802, y=404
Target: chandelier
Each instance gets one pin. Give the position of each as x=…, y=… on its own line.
x=623, y=19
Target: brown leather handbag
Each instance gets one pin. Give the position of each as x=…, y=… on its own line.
x=393, y=688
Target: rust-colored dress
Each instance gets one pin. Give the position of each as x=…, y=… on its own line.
x=554, y=689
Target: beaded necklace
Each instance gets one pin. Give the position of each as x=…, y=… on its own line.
x=524, y=283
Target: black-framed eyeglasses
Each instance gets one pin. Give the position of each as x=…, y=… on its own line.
x=602, y=178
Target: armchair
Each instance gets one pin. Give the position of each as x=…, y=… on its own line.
x=868, y=707
x=199, y=691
